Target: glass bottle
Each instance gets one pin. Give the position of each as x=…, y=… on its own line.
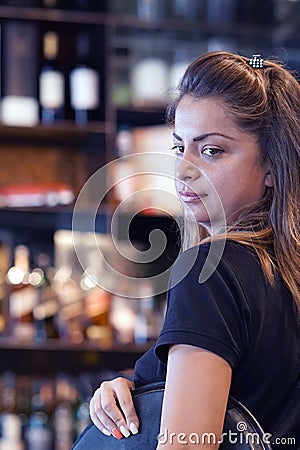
x=11, y=438
x=151, y=9
x=123, y=169
x=22, y=295
x=188, y=9
x=19, y=105
x=10, y=421
x=149, y=74
x=45, y=312
x=84, y=82
x=5, y=246
x=38, y=432
x=51, y=82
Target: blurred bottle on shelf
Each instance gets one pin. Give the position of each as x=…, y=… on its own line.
x=149, y=74
x=45, y=311
x=123, y=318
x=23, y=399
x=51, y=82
x=187, y=9
x=22, y=295
x=71, y=321
x=84, y=82
x=97, y=303
x=145, y=325
x=126, y=7
x=97, y=307
x=123, y=169
x=121, y=89
x=63, y=426
x=38, y=435
x=135, y=320
x=8, y=392
x=151, y=10
x=63, y=418
x=5, y=259
x=38, y=432
x=11, y=424
x=19, y=97
x=81, y=416
x=11, y=438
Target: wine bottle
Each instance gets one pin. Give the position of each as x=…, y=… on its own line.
x=38, y=432
x=84, y=82
x=19, y=102
x=11, y=424
x=5, y=245
x=149, y=75
x=22, y=296
x=123, y=170
x=11, y=432
x=46, y=309
x=51, y=82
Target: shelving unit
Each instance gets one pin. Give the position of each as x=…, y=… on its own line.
x=50, y=357
x=68, y=153
x=81, y=150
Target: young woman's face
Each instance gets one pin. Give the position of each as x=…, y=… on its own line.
x=218, y=170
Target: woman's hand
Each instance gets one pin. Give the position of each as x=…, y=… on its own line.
x=112, y=409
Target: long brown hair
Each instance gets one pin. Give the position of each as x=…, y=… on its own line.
x=264, y=102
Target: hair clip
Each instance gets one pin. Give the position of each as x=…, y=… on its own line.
x=256, y=62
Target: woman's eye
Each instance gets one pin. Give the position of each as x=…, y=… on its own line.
x=212, y=151
x=178, y=149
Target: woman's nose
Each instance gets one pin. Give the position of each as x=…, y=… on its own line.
x=186, y=170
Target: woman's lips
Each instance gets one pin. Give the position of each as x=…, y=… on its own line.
x=190, y=197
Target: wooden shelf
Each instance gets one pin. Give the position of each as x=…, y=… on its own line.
x=52, y=15
x=192, y=26
x=63, y=130
x=47, y=218
x=53, y=356
x=128, y=21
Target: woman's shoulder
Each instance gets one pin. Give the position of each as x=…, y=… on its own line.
x=218, y=255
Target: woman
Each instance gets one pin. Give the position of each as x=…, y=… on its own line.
x=237, y=142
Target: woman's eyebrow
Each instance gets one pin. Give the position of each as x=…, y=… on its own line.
x=204, y=136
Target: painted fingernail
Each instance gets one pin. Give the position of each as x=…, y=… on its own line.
x=124, y=431
x=106, y=432
x=133, y=428
x=116, y=433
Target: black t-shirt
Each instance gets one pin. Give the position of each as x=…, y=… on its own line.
x=237, y=315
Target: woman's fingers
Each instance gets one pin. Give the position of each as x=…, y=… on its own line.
x=127, y=407
x=112, y=409
x=95, y=419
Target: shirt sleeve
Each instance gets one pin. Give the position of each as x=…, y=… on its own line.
x=213, y=315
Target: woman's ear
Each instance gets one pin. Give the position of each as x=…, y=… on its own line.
x=269, y=179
